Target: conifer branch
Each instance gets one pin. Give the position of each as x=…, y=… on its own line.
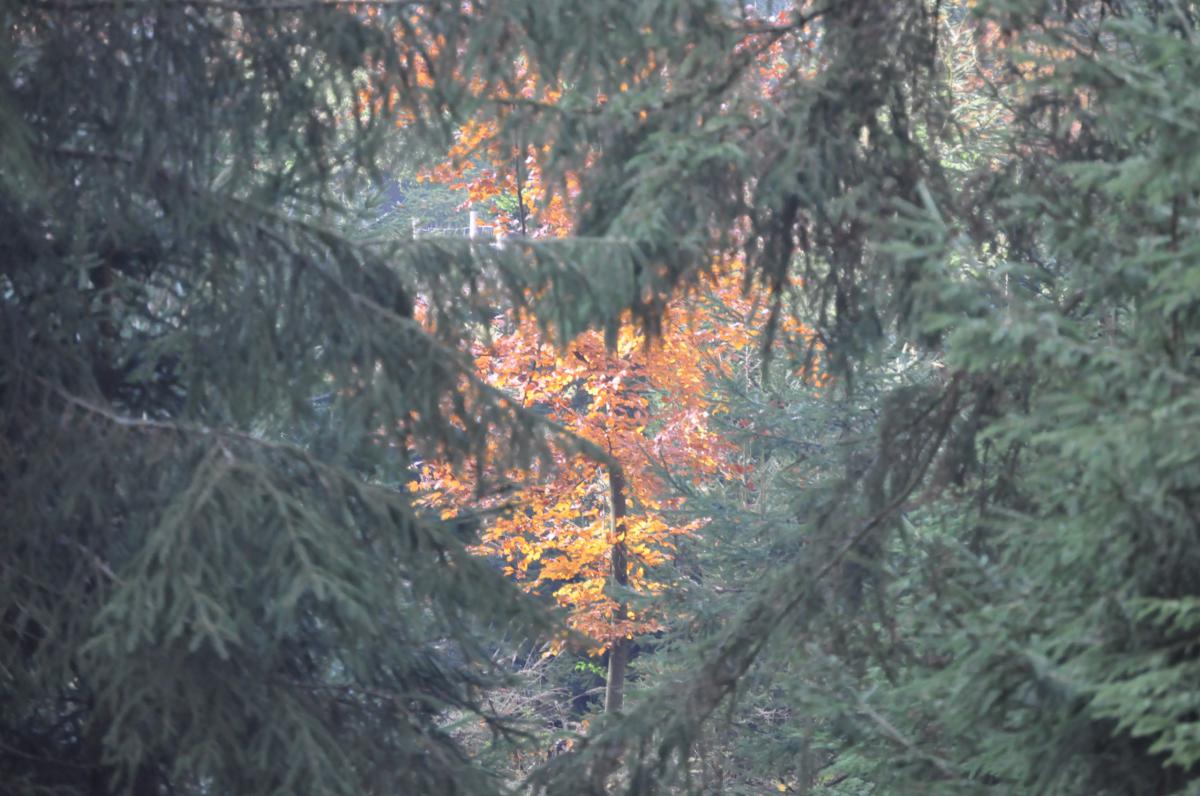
x=703, y=693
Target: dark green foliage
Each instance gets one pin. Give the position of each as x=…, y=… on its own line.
x=213, y=580
x=995, y=587
x=969, y=563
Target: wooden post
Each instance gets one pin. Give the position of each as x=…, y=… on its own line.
x=473, y=225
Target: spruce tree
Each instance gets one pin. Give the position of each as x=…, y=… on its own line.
x=214, y=386
x=999, y=595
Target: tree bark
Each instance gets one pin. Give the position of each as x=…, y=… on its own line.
x=618, y=653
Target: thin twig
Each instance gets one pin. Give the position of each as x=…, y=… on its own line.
x=893, y=734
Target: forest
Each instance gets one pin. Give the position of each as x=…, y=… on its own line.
x=561, y=398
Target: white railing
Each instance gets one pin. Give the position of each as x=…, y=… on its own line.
x=473, y=230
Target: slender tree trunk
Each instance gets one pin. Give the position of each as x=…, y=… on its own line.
x=521, y=213
x=618, y=654
x=618, y=651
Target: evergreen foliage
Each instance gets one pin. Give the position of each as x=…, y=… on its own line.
x=214, y=579
x=968, y=561
x=995, y=594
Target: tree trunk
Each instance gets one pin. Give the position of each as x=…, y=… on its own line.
x=618, y=653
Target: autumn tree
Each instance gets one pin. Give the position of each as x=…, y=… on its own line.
x=591, y=532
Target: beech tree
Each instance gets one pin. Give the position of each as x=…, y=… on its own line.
x=589, y=532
